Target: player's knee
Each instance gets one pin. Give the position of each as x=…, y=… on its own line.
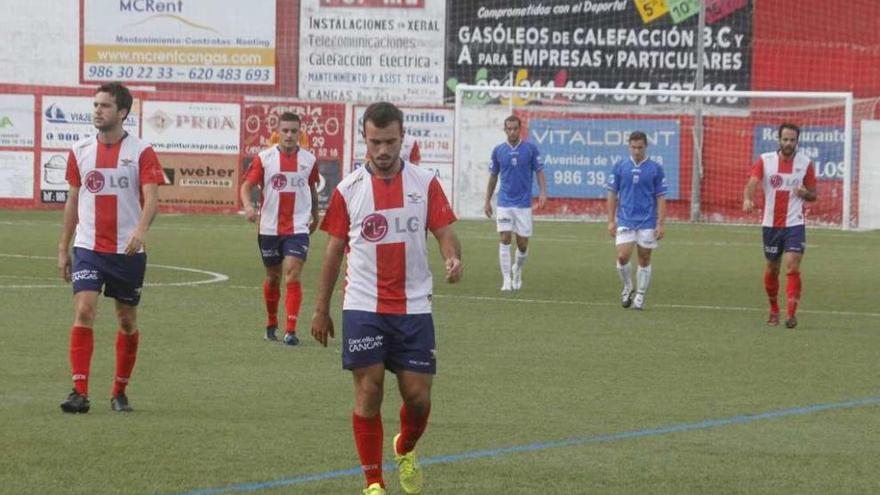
x=273, y=279
x=85, y=315
x=419, y=403
x=127, y=320
x=368, y=401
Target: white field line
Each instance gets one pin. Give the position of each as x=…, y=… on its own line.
x=214, y=277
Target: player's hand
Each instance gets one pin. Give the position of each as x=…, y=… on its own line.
x=454, y=270
x=801, y=191
x=250, y=213
x=136, y=243
x=542, y=200
x=748, y=205
x=660, y=232
x=612, y=228
x=64, y=264
x=322, y=326
x=487, y=209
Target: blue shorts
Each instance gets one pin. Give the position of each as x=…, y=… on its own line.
x=402, y=342
x=121, y=275
x=273, y=248
x=778, y=240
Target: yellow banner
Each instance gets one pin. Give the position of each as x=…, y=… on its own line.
x=190, y=56
x=651, y=9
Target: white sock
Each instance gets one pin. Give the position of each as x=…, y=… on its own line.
x=521, y=258
x=625, y=275
x=643, y=277
x=504, y=260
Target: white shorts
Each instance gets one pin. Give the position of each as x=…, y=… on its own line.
x=516, y=220
x=646, y=238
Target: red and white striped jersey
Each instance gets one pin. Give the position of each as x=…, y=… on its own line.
x=285, y=180
x=779, y=178
x=384, y=222
x=109, y=178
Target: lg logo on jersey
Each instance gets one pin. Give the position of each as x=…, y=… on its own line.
x=375, y=226
x=777, y=181
x=280, y=181
x=95, y=182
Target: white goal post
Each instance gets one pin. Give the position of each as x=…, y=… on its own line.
x=705, y=139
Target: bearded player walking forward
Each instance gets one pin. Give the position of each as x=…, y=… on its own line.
x=636, y=216
x=516, y=161
x=379, y=215
x=788, y=179
x=113, y=197
x=287, y=175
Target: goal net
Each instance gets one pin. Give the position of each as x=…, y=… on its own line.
x=706, y=141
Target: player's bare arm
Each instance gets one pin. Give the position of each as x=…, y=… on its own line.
x=748, y=192
x=322, y=324
x=450, y=248
x=245, y=194
x=67, y=229
x=612, y=213
x=151, y=206
x=313, y=224
x=490, y=190
x=542, y=188
x=661, y=217
x=805, y=193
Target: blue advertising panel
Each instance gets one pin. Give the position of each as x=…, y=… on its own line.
x=580, y=154
x=821, y=144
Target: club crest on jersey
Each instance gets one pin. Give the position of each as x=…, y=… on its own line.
x=374, y=227
x=278, y=182
x=776, y=181
x=94, y=181
x=415, y=198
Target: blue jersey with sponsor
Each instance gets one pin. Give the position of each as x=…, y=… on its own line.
x=637, y=186
x=516, y=165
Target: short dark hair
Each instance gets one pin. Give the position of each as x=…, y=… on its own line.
x=513, y=118
x=289, y=117
x=638, y=136
x=120, y=94
x=788, y=125
x=382, y=114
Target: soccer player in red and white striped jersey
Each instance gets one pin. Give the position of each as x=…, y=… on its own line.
x=113, y=197
x=287, y=176
x=379, y=215
x=788, y=179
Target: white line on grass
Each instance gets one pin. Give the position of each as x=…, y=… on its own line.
x=214, y=276
x=597, y=303
x=219, y=277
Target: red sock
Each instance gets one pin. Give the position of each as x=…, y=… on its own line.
x=368, y=439
x=792, y=292
x=82, y=342
x=271, y=295
x=412, y=425
x=126, y=355
x=771, y=285
x=292, y=301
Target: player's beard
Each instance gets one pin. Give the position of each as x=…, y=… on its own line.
x=104, y=125
x=787, y=151
x=384, y=163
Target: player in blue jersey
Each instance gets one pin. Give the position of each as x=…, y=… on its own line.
x=636, y=214
x=516, y=161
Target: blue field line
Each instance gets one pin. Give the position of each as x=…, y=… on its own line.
x=554, y=444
